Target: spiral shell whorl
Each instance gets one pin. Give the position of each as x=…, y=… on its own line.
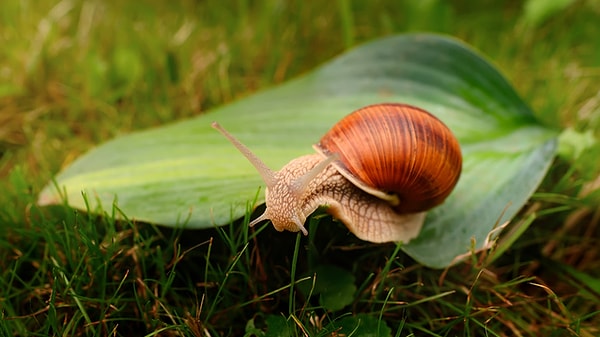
x=398, y=149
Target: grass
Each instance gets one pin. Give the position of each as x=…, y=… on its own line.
x=76, y=74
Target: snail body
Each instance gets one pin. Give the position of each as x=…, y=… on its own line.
x=377, y=170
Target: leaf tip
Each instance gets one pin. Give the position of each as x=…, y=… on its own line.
x=47, y=198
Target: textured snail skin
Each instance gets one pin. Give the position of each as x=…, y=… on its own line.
x=366, y=216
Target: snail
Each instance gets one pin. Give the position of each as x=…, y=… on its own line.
x=378, y=170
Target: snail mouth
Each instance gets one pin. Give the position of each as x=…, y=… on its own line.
x=295, y=225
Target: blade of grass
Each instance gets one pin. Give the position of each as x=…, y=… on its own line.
x=223, y=283
x=292, y=296
x=70, y=290
x=346, y=15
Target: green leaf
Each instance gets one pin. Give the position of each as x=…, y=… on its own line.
x=277, y=326
x=252, y=330
x=187, y=174
x=360, y=325
x=335, y=287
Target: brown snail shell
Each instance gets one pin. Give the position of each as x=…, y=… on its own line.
x=397, y=152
